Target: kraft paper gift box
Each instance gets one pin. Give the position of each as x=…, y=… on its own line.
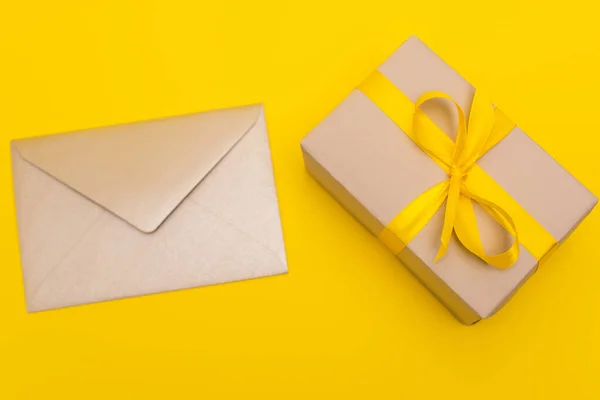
x=146, y=207
x=362, y=154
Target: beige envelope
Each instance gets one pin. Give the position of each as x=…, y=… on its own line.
x=146, y=207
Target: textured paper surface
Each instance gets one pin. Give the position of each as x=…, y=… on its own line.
x=370, y=166
x=74, y=251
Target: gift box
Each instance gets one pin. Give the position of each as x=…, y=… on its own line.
x=467, y=201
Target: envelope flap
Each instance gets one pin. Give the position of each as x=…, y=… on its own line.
x=141, y=171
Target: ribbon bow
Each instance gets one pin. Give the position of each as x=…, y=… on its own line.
x=457, y=159
x=467, y=182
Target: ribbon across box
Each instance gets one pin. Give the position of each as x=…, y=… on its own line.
x=464, y=198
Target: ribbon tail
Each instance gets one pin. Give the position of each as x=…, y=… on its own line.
x=450, y=215
x=409, y=222
x=441, y=252
x=481, y=121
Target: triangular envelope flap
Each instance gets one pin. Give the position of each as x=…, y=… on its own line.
x=141, y=171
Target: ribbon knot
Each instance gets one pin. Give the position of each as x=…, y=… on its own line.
x=458, y=172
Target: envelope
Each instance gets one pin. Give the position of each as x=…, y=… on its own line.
x=146, y=207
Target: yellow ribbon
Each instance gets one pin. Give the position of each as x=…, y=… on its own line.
x=466, y=183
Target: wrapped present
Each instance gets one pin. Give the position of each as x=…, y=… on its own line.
x=464, y=198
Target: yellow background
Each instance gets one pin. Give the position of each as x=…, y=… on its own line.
x=347, y=320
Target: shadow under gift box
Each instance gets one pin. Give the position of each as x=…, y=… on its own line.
x=370, y=166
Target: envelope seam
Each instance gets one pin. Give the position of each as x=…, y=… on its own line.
x=64, y=257
x=237, y=228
